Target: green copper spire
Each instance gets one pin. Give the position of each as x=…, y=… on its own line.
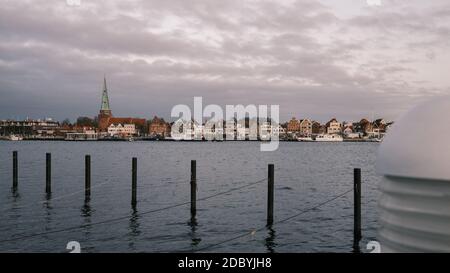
x=105, y=100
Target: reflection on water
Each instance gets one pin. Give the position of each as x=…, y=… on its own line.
x=86, y=214
x=48, y=212
x=134, y=230
x=15, y=194
x=86, y=209
x=356, y=247
x=195, y=240
x=270, y=240
x=134, y=224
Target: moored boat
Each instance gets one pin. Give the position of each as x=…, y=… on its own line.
x=328, y=138
x=15, y=138
x=305, y=139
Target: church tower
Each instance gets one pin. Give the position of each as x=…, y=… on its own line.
x=105, y=111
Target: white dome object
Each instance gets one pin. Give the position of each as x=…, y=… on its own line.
x=418, y=144
x=414, y=158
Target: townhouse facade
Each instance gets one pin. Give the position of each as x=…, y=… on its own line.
x=122, y=130
x=333, y=127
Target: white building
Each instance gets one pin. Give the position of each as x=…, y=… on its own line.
x=348, y=133
x=198, y=131
x=277, y=130
x=186, y=130
x=306, y=127
x=333, y=127
x=241, y=131
x=230, y=130
x=213, y=131
x=121, y=130
x=265, y=130
x=86, y=135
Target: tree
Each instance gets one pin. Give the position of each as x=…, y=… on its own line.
x=85, y=122
x=66, y=122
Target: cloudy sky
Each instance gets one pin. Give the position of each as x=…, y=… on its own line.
x=319, y=59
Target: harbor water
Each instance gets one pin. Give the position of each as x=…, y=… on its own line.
x=306, y=174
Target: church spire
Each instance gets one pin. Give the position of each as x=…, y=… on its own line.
x=105, y=99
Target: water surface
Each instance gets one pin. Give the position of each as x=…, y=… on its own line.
x=306, y=174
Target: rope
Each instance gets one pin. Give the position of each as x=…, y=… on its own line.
x=275, y=223
x=127, y=216
x=59, y=197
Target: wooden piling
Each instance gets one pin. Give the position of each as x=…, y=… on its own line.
x=87, y=176
x=270, y=192
x=357, y=205
x=134, y=182
x=15, y=171
x=48, y=173
x=193, y=188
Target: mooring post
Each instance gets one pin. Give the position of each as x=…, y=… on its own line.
x=357, y=205
x=15, y=171
x=193, y=188
x=270, y=191
x=87, y=176
x=134, y=182
x=48, y=173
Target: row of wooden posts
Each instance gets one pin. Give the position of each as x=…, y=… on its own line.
x=357, y=234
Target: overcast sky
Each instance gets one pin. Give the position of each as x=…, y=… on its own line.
x=319, y=59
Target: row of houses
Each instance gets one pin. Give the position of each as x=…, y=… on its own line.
x=361, y=129
x=225, y=130
x=48, y=128
x=30, y=128
x=156, y=128
x=121, y=128
x=230, y=130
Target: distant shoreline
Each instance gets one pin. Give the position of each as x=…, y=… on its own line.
x=171, y=140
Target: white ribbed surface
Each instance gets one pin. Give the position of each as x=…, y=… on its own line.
x=414, y=215
x=414, y=160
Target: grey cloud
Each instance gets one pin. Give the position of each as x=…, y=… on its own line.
x=300, y=55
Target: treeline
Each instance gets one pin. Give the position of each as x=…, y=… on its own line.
x=81, y=122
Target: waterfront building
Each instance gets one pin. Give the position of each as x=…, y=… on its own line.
x=12, y=127
x=278, y=130
x=187, y=130
x=159, y=128
x=265, y=130
x=196, y=130
x=241, y=131
x=230, y=129
x=333, y=127
x=177, y=131
x=306, y=128
x=317, y=128
x=380, y=127
x=86, y=134
x=45, y=128
x=364, y=126
x=209, y=132
x=293, y=125
x=214, y=130
x=348, y=132
x=121, y=130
